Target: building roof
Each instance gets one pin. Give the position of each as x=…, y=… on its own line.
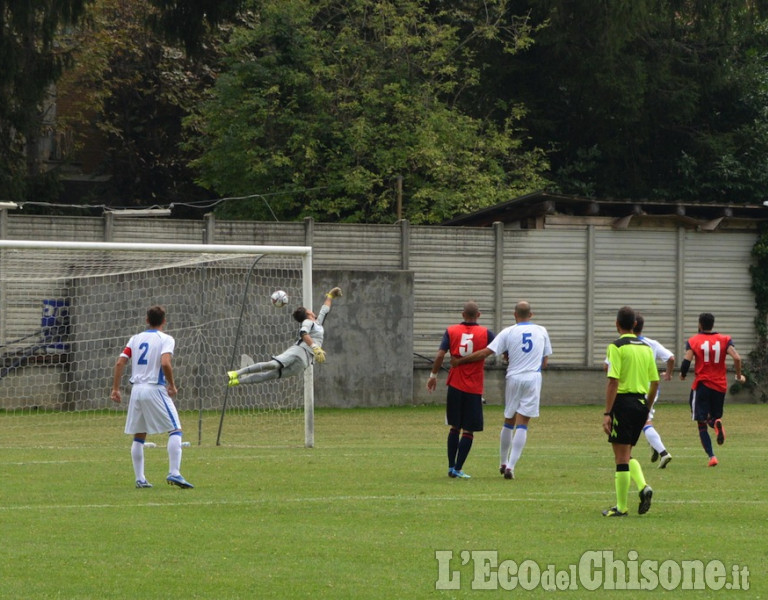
x=535, y=210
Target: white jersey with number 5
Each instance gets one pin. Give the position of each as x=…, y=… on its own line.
x=526, y=345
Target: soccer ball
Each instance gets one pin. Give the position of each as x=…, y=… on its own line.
x=279, y=298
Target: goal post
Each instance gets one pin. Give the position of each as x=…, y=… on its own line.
x=69, y=307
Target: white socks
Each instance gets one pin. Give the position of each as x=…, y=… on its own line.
x=505, y=442
x=654, y=439
x=174, y=454
x=137, y=455
x=518, y=443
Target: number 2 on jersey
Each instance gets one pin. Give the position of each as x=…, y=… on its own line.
x=144, y=347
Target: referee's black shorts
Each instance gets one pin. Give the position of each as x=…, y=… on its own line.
x=464, y=410
x=628, y=416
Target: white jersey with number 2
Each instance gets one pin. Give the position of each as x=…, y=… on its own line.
x=145, y=349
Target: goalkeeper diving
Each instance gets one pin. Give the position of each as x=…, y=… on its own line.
x=307, y=348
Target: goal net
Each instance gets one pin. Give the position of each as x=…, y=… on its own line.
x=69, y=308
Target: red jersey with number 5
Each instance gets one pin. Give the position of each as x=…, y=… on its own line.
x=710, y=350
x=464, y=339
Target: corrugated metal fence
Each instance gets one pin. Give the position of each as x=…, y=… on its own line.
x=575, y=279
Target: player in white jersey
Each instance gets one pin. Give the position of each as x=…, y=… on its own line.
x=659, y=451
x=297, y=358
x=151, y=408
x=527, y=347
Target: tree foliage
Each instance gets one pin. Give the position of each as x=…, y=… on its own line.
x=323, y=104
x=126, y=96
x=320, y=106
x=648, y=98
x=29, y=63
x=189, y=21
x=757, y=363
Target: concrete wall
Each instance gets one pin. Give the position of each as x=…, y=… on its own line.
x=368, y=340
x=562, y=386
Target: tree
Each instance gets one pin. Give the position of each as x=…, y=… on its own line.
x=323, y=104
x=30, y=62
x=647, y=98
x=126, y=96
x=187, y=21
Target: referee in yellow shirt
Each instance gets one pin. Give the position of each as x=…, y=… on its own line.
x=633, y=381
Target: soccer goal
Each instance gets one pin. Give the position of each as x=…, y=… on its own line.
x=68, y=308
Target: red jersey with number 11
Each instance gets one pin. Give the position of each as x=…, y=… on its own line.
x=464, y=339
x=710, y=350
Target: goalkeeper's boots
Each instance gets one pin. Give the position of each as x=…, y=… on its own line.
x=233, y=378
x=178, y=480
x=614, y=512
x=143, y=483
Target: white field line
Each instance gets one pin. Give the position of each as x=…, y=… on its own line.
x=544, y=497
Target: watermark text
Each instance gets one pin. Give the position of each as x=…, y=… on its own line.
x=595, y=569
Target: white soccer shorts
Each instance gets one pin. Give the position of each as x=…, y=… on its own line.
x=521, y=395
x=151, y=410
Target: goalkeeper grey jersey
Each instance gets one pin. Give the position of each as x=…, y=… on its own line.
x=314, y=329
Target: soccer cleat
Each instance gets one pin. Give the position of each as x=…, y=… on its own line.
x=179, y=481
x=665, y=460
x=645, y=500
x=503, y=469
x=614, y=512
x=233, y=379
x=459, y=474
x=452, y=472
x=509, y=474
x=712, y=461
x=654, y=455
x=143, y=483
x=720, y=432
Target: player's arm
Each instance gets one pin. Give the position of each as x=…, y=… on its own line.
x=331, y=295
x=670, y=368
x=736, y=363
x=316, y=349
x=611, y=389
x=165, y=364
x=116, y=377
x=686, y=364
x=474, y=357
x=437, y=364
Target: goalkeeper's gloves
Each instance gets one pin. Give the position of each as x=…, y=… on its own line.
x=334, y=293
x=319, y=353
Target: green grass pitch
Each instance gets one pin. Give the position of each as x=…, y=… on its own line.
x=367, y=512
